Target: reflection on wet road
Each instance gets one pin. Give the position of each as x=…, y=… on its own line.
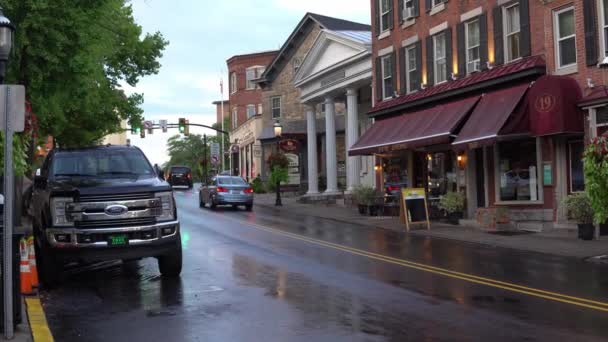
x=246, y=278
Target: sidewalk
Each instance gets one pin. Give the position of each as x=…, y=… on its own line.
x=556, y=242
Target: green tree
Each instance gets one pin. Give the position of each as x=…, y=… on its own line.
x=73, y=56
x=217, y=125
x=190, y=151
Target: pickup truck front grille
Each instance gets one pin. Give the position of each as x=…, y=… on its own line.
x=130, y=222
x=106, y=198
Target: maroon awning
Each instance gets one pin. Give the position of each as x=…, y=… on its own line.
x=423, y=128
x=553, y=106
x=490, y=116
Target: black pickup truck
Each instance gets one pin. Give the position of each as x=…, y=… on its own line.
x=103, y=203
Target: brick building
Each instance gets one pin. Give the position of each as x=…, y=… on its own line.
x=245, y=111
x=281, y=101
x=222, y=107
x=461, y=88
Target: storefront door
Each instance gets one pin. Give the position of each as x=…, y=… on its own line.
x=480, y=178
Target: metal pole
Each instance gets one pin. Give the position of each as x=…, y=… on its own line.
x=221, y=135
x=8, y=220
x=205, y=156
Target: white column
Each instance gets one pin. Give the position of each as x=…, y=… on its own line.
x=353, y=164
x=331, y=153
x=313, y=170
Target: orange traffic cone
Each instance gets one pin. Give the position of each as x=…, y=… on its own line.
x=32, y=260
x=26, y=279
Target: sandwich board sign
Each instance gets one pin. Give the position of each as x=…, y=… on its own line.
x=414, y=207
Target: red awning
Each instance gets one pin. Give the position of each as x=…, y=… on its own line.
x=553, y=106
x=423, y=128
x=490, y=116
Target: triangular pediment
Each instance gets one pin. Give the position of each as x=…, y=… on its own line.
x=329, y=50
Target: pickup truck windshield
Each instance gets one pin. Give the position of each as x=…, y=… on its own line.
x=100, y=163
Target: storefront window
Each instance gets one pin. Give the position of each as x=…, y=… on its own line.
x=441, y=174
x=577, y=177
x=395, y=176
x=518, y=171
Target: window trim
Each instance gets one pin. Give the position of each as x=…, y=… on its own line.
x=382, y=14
x=539, y=179
x=603, y=34
x=505, y=35
x=467, y=47
x=435, y=59
x=233, y=82
x=570, y=164
x=556, y=40
x=408, y=71
x=384, y=77
x=235, y=118
x=272, y=107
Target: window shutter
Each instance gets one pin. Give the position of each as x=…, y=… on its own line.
x=524, y=19
x=591, y=49
x=430, y=75
x=428, y=5
x=378, y=79
x=378, y=28
x=483, y=40
x=448, y=53
x=402, y=71
x=462, y=49
x=416, y=7
x=401, y=6
x=499, y=53
x=391, y=18
x=394, y=71
x=418, y=73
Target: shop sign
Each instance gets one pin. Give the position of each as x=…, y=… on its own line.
x=257, y=151
x=289, y=145
x=294, y=168
x=545, y=103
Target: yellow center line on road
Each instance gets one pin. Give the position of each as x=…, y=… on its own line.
x=553, y=296
x=37, y=319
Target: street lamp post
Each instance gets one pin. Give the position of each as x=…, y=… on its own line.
x=6, y=43
x=278, y=130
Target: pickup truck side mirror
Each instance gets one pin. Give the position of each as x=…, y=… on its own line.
x=159, y=172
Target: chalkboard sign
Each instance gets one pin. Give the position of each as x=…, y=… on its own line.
x=414, y=207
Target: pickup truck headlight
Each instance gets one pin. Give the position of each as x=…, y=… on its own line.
x=168, y=212
x=59, y=211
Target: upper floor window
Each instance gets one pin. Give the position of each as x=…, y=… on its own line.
x=408, y=9
x=440, y=58
x=252, y=74
x=275, y=107
x=233, y=85
x=472, y=46
x=385, y=14
x=512, y=29
x=387, y=76
x=250, y=111
x=603, y=7
x=235, y=118
x=411, y=69
x=565, y=38
x=437, y=2
x=260, y=109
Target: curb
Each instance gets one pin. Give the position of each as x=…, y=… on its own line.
x=38, y=324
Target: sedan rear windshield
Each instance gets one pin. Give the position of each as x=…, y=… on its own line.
x=231, y=181
x=100, y=163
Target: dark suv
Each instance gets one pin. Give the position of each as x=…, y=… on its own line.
x=103, y=203
x=180, y=175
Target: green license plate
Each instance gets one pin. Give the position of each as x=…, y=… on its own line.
x=118, y=240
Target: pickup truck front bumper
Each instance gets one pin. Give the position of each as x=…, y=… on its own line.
x=149, y=235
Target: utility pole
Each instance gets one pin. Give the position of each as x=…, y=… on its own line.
x=205, y=157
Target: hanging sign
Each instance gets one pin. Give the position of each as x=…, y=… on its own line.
x=414, y=207
x=289, y=145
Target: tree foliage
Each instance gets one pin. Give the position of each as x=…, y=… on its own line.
x=73, y=56
x=189, y=151
x=595, y=163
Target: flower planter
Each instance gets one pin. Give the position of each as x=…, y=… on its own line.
x=454, y=218
x=585, y=231
x=373, y=210
x=362, y=209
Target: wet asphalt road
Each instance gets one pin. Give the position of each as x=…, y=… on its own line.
x=244, y=282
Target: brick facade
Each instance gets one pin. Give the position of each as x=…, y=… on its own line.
x=241, y=96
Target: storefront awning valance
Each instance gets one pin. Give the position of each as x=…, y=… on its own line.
x=423, y=128
x=553, y=106
x=490, y=116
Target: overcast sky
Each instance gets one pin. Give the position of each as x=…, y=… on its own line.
x=203, y=34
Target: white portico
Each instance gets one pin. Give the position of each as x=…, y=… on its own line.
x=337, y=72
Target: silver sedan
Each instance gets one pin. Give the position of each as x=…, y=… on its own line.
x=226, y=190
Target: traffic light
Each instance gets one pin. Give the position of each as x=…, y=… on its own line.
x=182, y=125
x=135, y=130
x=187, y=128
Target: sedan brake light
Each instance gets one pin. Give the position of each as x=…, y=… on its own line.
x=221, y=189
x=248, y=191
x=189, y=176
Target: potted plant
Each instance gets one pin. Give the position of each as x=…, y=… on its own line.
x=580, y=209
x=364, y=195
x=453, y=203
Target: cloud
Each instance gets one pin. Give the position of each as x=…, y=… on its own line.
x=347, y=9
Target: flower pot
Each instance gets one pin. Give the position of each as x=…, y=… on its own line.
x=362, y=209
x=585, y=231
x=373, y=210
x=453, y=218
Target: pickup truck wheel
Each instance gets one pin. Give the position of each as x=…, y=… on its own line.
x=49, y=268
x=170, y=265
